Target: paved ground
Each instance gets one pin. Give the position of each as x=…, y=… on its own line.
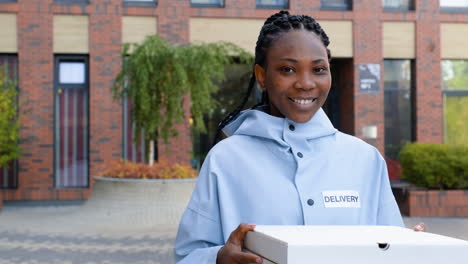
x=64, y=235
x=71, y=234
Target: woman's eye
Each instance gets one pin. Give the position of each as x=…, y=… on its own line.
x=320, y=70
x=287, y=69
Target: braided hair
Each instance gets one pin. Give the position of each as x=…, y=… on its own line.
x=272, y=29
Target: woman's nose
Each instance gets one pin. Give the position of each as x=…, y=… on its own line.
x=305, y=81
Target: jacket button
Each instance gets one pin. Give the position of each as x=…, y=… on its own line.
x=299, y=154
x=310, y=202
x=291, y=127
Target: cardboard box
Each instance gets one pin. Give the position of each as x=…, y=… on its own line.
x=353, y=245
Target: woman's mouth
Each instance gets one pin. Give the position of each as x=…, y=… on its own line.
x=303, y=101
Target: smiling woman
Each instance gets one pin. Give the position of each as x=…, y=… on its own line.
x=283, y=162
x=297, y=78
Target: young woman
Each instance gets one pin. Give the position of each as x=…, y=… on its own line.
x=283, y=162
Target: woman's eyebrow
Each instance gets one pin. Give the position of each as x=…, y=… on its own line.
x=289, y=59
x=318, y=61
x=296, y=61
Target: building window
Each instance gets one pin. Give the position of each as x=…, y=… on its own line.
x=398, y=5
x=398, y=106
x=71, y=125
x=454, y=6
x=140, y=2
x=455, y=96
x=8, y=1
x=9, y=176
x=71, y=2
x=339, y=5
x=207, y=3
x=132, y=151
x=229, y=96
x=272, y=4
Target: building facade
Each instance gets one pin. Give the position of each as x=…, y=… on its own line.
x=398, y=75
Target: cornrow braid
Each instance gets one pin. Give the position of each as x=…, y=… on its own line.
x=274, y=26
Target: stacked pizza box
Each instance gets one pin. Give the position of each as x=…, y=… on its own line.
x=353, y=245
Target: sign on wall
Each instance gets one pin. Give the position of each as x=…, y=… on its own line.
x=369, y=78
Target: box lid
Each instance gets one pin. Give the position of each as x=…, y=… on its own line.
x=353, y=244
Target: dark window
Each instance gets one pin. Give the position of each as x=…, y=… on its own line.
x=455, y=96
x=132, y=151
x=140, y=2
x=8, y=1
x=336, y=5
x=398, y=105
x=71, y=2
x=71, y=125
x=272, y=4
x=207, y=3
x=454, y=6
x=9, y=176
x=229, y=96
x=398, y=5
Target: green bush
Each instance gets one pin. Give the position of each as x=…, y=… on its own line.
x=435, y=166
x=9, y=125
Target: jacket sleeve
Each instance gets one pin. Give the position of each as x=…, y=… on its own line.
x=200, y=235
x=388, y=211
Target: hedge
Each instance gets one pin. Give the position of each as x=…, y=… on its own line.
x=435, y=166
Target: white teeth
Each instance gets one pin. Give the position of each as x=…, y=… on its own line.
x=302, y=101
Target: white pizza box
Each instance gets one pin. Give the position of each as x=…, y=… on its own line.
x=353, y=245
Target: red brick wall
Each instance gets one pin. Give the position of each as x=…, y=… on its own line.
x=367, y=38
x=428, y=77
x=105, y=61
x=174, y=26
x=435, y=203
x=35, y=53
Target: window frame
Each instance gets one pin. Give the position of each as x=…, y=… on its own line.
x=15, y=162
x=220, y=4
x=411, y=8
x=152, y=3
x=284, y=6
x=72, y=2
x=331, y=8
x=449, y=93
x=84, y=58
x=450, y=9
x=412, y=89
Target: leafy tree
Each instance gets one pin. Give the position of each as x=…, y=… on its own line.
x=9, y=125
x=156, y=76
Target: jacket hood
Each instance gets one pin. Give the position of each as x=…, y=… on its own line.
x=258, y=123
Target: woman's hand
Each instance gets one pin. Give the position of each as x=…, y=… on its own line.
x=232, y=253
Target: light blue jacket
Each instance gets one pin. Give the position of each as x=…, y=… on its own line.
x=273, y=171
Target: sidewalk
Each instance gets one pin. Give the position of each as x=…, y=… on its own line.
x=69, y=234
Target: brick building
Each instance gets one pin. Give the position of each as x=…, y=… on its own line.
x=397, y=75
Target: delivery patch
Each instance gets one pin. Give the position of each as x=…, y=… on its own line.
x=343, y=198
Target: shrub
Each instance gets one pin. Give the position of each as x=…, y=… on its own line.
x=435, y=166
x=160, y=170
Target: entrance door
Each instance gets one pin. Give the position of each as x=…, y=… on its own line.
x=71, y=122
x=340, y=103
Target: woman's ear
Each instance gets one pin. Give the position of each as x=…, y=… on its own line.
x=260, y=76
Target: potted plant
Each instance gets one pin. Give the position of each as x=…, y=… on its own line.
x=157, y=77
x=146, y=195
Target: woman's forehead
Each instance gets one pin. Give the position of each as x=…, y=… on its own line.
x=299, y=44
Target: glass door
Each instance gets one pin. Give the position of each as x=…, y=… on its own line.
x=71, y=122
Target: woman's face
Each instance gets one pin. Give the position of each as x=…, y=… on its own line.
x=296, y=75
